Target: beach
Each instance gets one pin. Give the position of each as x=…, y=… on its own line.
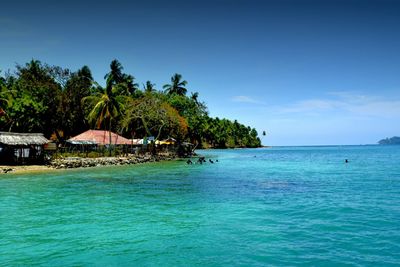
x=81, y=162
x=23, y=169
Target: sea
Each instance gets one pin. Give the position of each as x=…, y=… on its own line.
x=279, y=206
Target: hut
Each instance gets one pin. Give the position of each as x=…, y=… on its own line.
x=137, y=141
x=95, y=139
x=137, y=146
x=99, y=137
x=22, y=148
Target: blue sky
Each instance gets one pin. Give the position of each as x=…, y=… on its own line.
x=306, y=72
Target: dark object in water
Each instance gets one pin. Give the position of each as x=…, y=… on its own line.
x=216, y=160
x=346, y=161
x=201, y=160
x=189, y=161
x=210, y=160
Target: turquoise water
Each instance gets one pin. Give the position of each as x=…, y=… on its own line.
x=255, y=207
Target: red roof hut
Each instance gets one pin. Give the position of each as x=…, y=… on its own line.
x=99, y=137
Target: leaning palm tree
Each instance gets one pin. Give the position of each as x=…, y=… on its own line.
x=106, y=108
x=177, y=86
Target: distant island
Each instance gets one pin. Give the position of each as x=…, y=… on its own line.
x=395, y=140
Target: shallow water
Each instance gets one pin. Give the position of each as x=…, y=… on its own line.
x=255, y=207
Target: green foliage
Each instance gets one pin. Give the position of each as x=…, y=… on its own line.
x=33, y=100
x=177, y=86
x=152, y=116
x=61, y=104
x=149, y=87
x=119, y=82
x=79, y=86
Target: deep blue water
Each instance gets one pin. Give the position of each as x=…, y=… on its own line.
x=287, y=206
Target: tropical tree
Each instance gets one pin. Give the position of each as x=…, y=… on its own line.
x=149, y=87
x=115, y=75
x=106, y=109
x=50, y=99
x=195, y=97
x=156, y=117
x=177, y=86
x=107, y=103
x=79, y=86
x=33, y=100
x=121, y=83
x=129, y=84
x=3, y=97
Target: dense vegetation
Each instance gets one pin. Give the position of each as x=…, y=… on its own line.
x=395, y=140
x=60, y=103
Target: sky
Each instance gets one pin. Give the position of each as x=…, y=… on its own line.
x=307, y=72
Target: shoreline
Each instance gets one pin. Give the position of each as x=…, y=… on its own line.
x=24, y=169
x=78, y=162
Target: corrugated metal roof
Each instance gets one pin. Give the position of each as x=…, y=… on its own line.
x=136, y=141
x=100, y=137
x=81, y=142
x=22, y=139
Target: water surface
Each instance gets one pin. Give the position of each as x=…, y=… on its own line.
x=255, y=207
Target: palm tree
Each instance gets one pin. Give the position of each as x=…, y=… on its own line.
x=195, y=97
x=131, y=86
x=115, y=75
x=106, y=108
x=177, y=86
x=149, y=87
x=123, y=83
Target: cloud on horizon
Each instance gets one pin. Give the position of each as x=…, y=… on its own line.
x=347, y=103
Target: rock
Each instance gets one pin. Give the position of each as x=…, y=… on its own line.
x=93, y=162
x=6, y=170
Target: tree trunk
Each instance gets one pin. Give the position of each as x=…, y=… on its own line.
x=109, y=134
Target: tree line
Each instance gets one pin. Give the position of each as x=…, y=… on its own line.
x=38, y=97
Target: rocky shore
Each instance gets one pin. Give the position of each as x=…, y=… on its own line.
x=68, y=163
x=78, y=162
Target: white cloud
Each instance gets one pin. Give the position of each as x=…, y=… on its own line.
x=343, y=102
x=245, y=99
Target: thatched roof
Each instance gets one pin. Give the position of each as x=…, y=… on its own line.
x=99, y=137
x=22, y=139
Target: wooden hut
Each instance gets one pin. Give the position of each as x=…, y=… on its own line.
x=22, y=148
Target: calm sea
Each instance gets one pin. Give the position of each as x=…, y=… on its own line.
x=254, y=207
